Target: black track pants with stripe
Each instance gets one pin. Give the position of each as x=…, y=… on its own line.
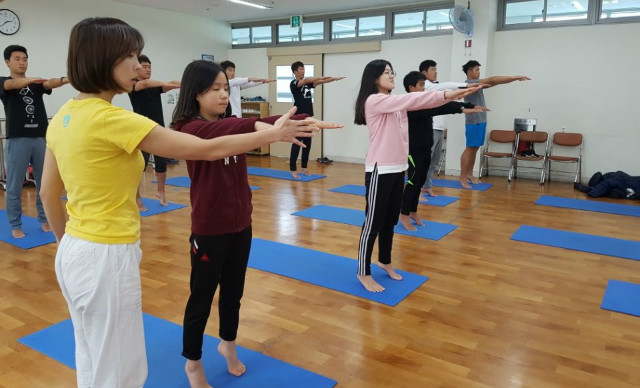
x=417, y=174
x=384, y=197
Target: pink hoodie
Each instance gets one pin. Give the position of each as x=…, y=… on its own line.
x=386, y=117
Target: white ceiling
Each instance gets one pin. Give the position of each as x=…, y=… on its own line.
x=227, y=11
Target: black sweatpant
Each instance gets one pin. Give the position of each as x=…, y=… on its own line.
x=416, y=175
x=295, y=150
x=159, y=163
x=215, y=260
x=384, y=195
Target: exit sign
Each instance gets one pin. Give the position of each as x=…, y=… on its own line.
x=296, y=21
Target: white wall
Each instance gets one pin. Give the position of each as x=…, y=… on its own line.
x=172, y=39
x=583, y=78
x=251, y=63
x=351, y=143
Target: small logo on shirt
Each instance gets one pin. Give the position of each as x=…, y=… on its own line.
x=205, y=258
x=65, y=120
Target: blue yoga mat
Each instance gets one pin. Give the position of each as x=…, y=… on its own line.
x=431, y=230
x=330, y=271
x=455, y=184
x=166, y=365
x=440, y=200
x=31, y=227
x=622, y=297
x=184, y=181
x=154, y=207
x=280, y=174
x=626, y=249
x=590, y=205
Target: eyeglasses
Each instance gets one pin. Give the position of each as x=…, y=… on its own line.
x=389, y=73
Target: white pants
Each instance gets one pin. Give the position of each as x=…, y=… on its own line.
x=101, y=284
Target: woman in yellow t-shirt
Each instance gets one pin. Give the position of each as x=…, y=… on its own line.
x=93, y=153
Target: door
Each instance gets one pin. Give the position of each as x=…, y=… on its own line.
x=281, y=100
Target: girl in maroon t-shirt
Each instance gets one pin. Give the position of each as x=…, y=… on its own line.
x=221, y=213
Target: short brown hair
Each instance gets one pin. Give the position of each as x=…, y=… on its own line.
x=96, y=46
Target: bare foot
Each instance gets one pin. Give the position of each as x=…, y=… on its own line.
x=141, y=206
x=17, y=233
x=472, y=179
x=370, y=284
x=305, y=171
x=465, y=183
x=390, y=271
x=295, y=174
x=406, y=223
x=415, y=218
x=195, y=374
x=228, y=350
x=430, y=192
x=162, y=198
x=45, y=227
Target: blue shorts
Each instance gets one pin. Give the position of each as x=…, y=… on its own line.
x=475, y=134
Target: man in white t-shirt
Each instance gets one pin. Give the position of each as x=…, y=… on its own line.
x=429, y=69
x=237, y=84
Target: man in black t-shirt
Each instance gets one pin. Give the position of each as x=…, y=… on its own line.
x=26, y=128
x=302, y=99
x=145, y=100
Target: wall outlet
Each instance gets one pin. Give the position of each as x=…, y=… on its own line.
x=564, y=128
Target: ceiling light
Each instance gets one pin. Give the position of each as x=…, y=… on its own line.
x=255, y=5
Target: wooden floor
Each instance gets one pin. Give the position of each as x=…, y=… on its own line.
x=494, y=313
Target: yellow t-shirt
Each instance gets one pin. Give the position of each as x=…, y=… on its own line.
x=96, y=148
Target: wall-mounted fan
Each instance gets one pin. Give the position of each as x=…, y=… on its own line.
x=461, y=19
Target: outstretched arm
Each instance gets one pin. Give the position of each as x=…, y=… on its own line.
x=175, y=84
x=499, y=80
x=55, y=83
x=151, y=83
x=12, y=84
x=326, y=80
x=178, y=145
x=310, y=80
x=250, y=82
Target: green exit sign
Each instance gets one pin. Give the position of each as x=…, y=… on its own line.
x=296, y=21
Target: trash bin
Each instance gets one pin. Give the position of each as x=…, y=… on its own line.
x=520, y=125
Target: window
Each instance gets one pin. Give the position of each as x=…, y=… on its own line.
x=409, y=22
x=524, y=12
x=560, y=10
x=371, y=25
x=313, y=31
x=404, y=21
x=261, y=34
x=345, y=28
x=546, y=12
x=288, y=34
x=619, y=10
x=284, y=76
x=240, y=36
x=438, y=20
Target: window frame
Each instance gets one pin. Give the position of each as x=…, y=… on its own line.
x=630, y=19
x=327, y=20
x=593, y=17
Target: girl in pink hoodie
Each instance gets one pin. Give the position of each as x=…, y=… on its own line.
x=386, y=118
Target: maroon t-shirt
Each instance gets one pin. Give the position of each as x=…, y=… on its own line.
x=220, y=192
